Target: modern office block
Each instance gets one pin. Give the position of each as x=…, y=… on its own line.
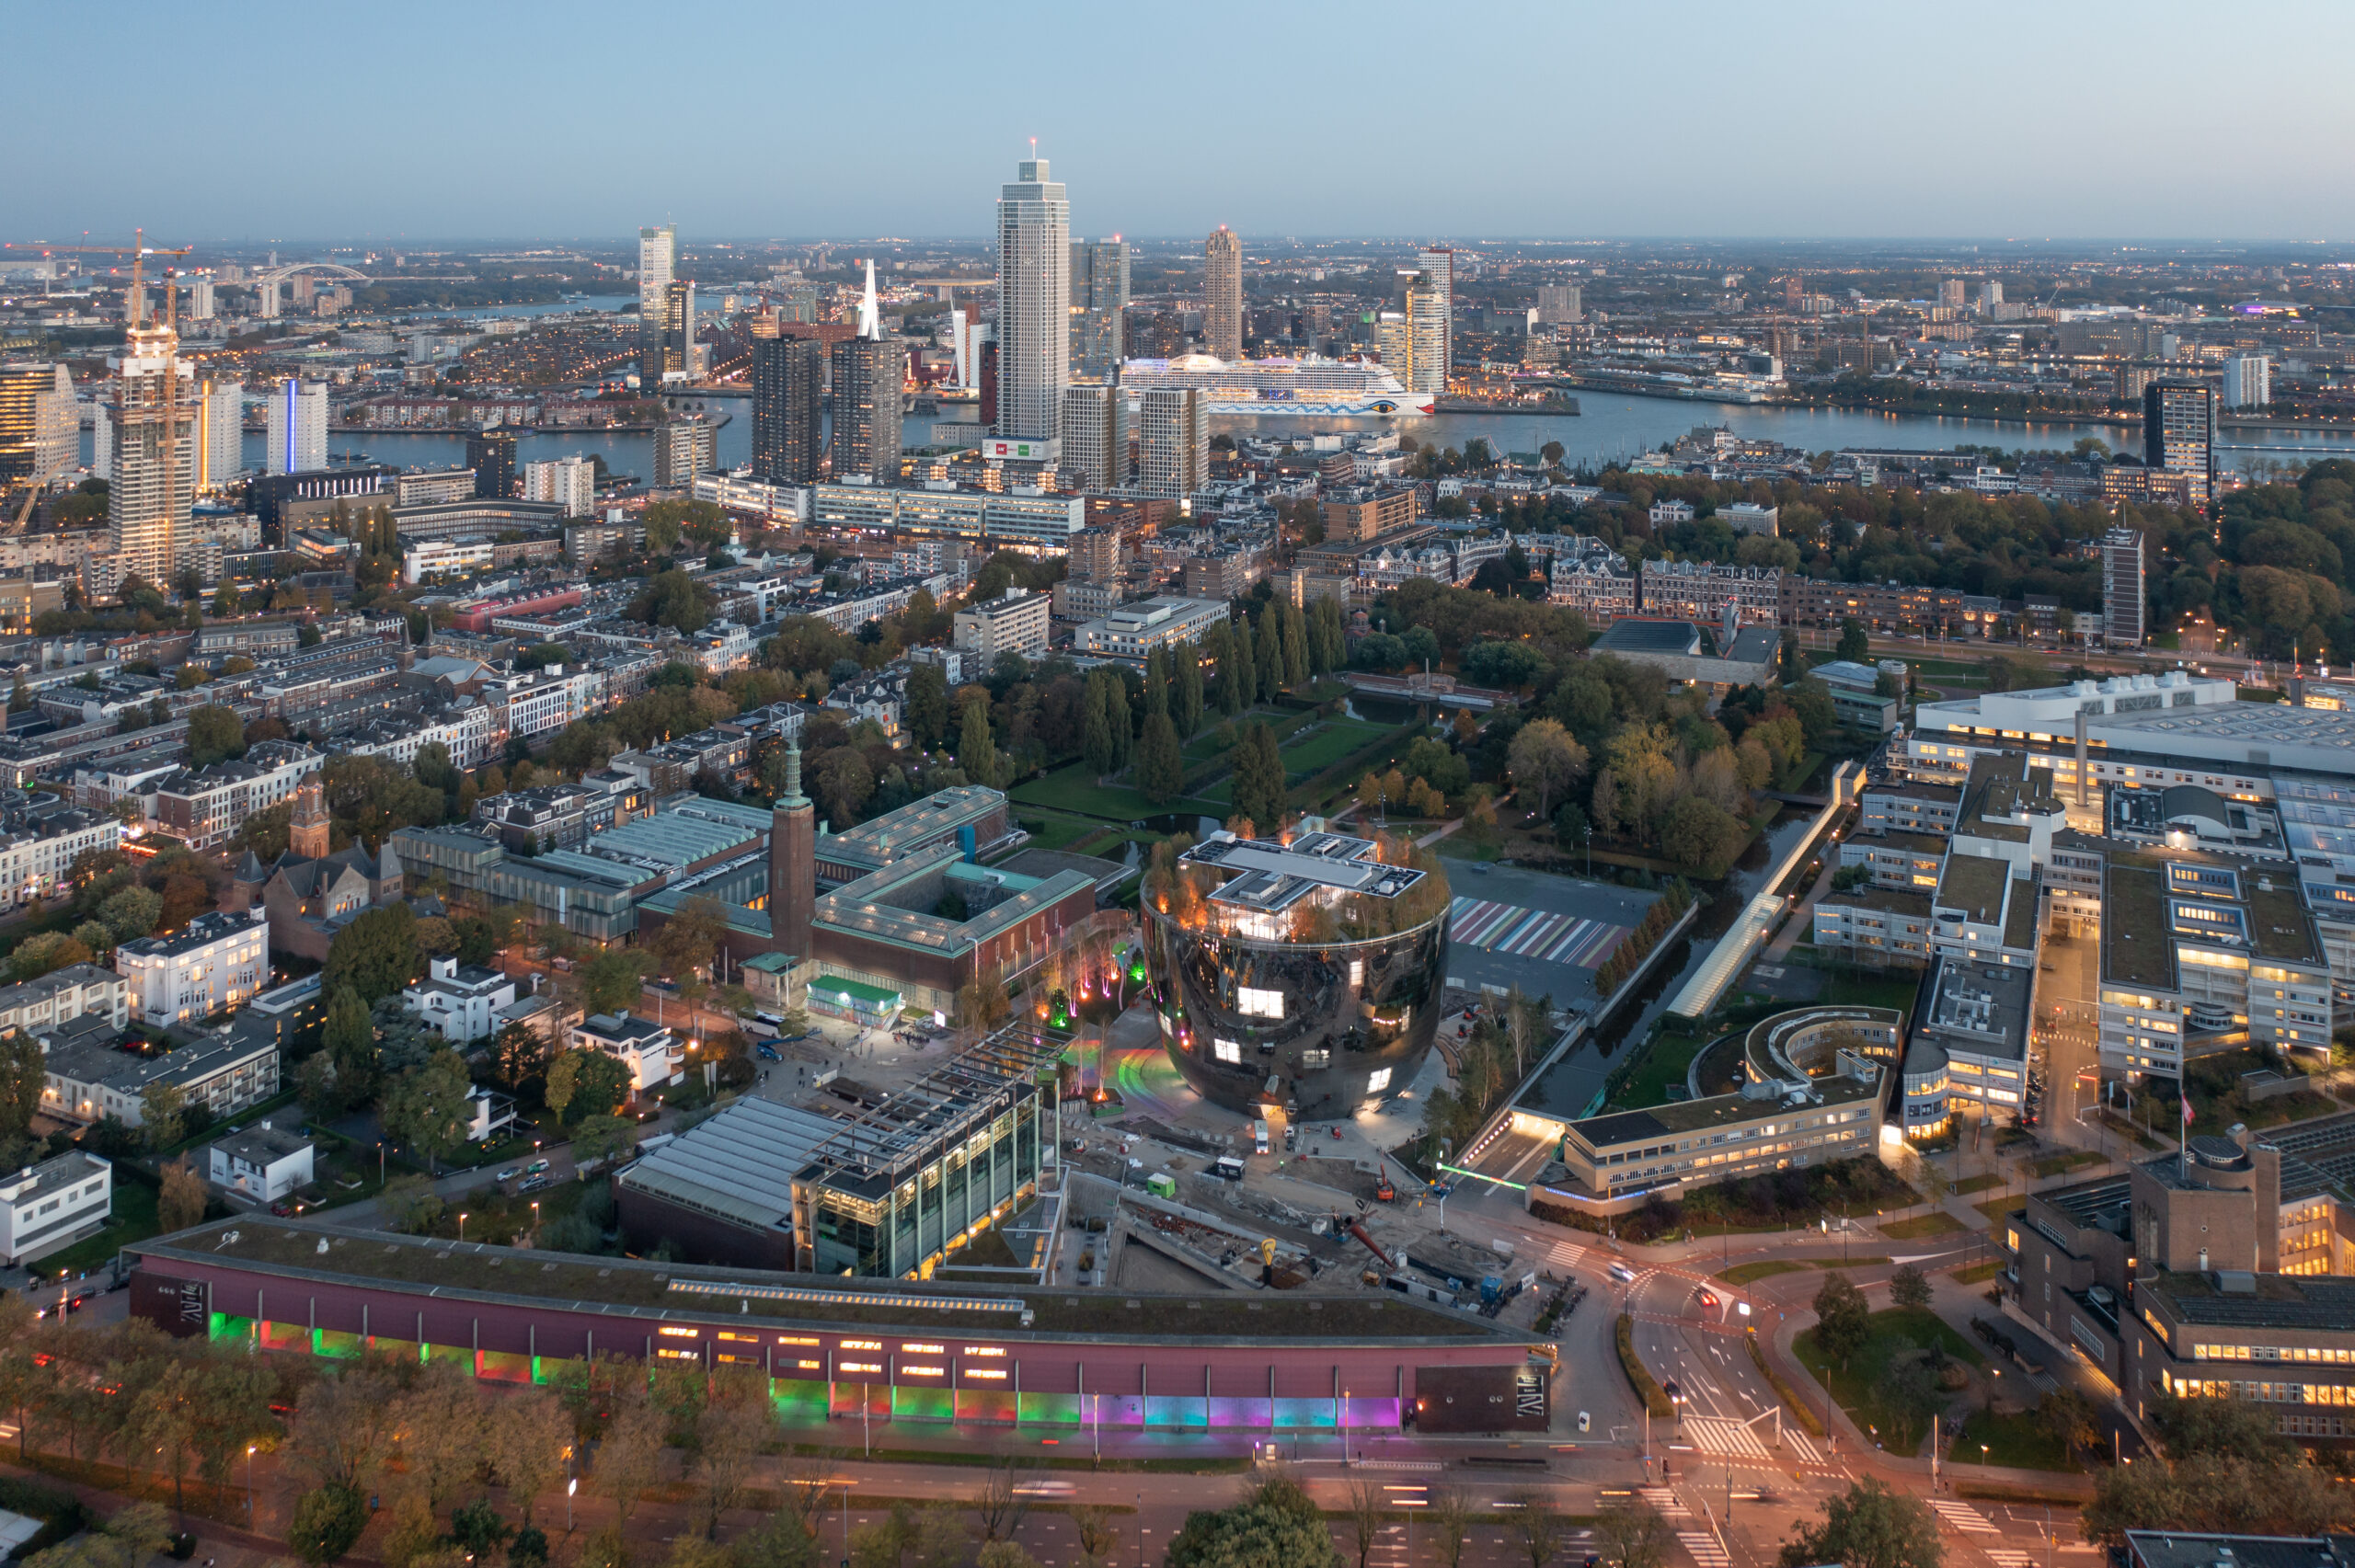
x=1095, y=437
x=1100, y=294
x=656, y=257
x=2122, y=593
x=39, y=431
x=492, y=455
x=1174, y=455
x=2179, y=433
x=1034, y=303
x=297, y=419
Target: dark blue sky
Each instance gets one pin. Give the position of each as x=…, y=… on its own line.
x=412, y=121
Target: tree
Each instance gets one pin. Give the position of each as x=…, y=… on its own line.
x=2068, y=1417
x=926, y=705
x=1276, y=1527
x=162, y=1114
x=528, y=1444
x=730, y=1433
x=1450, y=1514
x=45, y=950
x=1363, y=1506
x=214, y=734
x=1004, y=1501
x=1257, y=786
x=1161, y=765
x=129, y=1537
x=1909, y=1286
x=976, y=751
x=329, y=1521
x=1631, y=1534
x=1186, y=690
x=612, y=981
x=410, y=1204
x=1843, y=1321
x=586, y=1083
x=693, y=933
x=518, y=1052
x=1869, y=1526
x=376, y=955
x=182, y=1203
x=1537, y=1524
x=24, y=1072
x=129, y=913
x=1544, y=757
x=1854, y=646
x=1098, y=1537
x=603, y=1138
x=630, y=1457
x=428, y=1108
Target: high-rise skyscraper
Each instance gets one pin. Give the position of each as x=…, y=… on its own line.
x=656, y=258
x=492, y=455
x=1953, y=293
x=1033, y=303
x=683, y=448
x=675, y=354
x=2123, y=594
x=571, y=482
x=297, y=419
x=1099, y=293
x=2179, y=433
x=221, y=441
x=153, y=476
x=1413, y=342
x=39, y=427
x=868, y=374
x=1991, y=294
x=199, y=298
x=1174, y=456
x=1439, y=267
x=2248, y=381
x=788, y=376
x=1558, y=305
x=1095, y=437
x=1223, y=293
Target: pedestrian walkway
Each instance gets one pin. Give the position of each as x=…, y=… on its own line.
x=1735, y=1439
x=1564, y=1253
x=2006, y=1557
x=1962, y=1516
x=1664, y=1502
x=1705, y=1549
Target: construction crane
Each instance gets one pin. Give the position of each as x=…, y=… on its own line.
x=139, y=250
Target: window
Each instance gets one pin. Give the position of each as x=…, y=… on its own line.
x=1227, y=1050
x=1260, y=1003
x=1378, y=1080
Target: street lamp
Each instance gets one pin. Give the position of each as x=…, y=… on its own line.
x=569, y=1488
x=250, y=1483
x=462, y=1225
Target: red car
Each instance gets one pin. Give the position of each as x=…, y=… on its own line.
x=1708, y=1297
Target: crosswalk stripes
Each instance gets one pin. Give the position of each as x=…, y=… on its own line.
x=1566, y=1253
x=1962, y=1516
x=2003, y=1557
x=1738, y=1439
x=1798, y=1443
x=1705, y=1549
x=1664, y=1502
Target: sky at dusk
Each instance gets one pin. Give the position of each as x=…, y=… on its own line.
x=417, y=122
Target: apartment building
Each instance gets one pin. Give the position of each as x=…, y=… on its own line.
x=205, y=807
x=1016, y=623
x=1700, y=590
x=1132, y=631
x=226, y=1073
x=48, y=1207
x=652, y=1052
x=38, y=850
x=212, y=964
x=1360, y=512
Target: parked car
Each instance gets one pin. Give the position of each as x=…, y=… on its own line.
x=534, y=1183
x=766, y=1051
x=510, y=1174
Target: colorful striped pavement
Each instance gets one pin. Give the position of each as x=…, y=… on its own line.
x=1532, y=934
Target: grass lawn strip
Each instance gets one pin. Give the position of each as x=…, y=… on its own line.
x=1857, y=1388
x=1765, y=1268
x=2017, y=1442
x=1659, y=1069
x=1978, y=1183
x=1938, y=1222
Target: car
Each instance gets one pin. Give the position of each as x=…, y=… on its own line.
x=1708, y=1297
x=767, y=1052
x=1623, y=1274
x=510, y=1174
x=534, y=1183
x=1585, y=1422
x=535, y=1167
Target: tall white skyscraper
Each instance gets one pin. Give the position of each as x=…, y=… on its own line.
x=1439, y=266
x=297, y=417
x=1173, y=441
x=199, y=298
x=1099, y=297
x=2248, y=381
x=657, y=260
x=1033, y=303
x=570, y=481
x=221, y=433
x=152, y=476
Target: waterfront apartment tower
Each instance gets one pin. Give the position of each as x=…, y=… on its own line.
x=793, y=869
x=221, y=439
x=678, y=353
x=153, y=466
x=1100, y=294
x=657, y=251
x=1175, y=440
x=1558, y=305
x=868, y=375
x=1439, y=267
x=2123, y=596
x=2248, y=381
x=1095, y=437
x=39, y=427
x=2179, y=433
x=492, y=455
x=787, y=378
x=1223, y=293
x=1034, y=303
x=571, y=482
x=297, y=420
x=1413, y=342
x=683, y=448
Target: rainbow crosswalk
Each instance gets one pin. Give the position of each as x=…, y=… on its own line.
x=1532, y=934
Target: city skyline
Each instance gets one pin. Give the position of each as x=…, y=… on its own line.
x=1602, y=154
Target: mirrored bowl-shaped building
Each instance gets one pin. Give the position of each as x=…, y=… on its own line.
x=1304, y=976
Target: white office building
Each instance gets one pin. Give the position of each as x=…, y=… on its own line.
x=199, y=298
x=213, y=964
x=1034, y=305
x=1130, y=632
x=1174, y=445
x=298, y=417
x=1095, y=437
x=571, y=482
x=221, y=434
x=1015, y=624
x=52, y=1205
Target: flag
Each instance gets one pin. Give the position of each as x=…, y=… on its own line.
x=2187, y=1110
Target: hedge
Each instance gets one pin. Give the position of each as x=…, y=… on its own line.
x=1655, y=1398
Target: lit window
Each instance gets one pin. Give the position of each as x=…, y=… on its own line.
x=1378, y=1080
x=1226, y=1050
x=1261, y=1003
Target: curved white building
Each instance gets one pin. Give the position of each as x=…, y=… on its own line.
x=1313, y=386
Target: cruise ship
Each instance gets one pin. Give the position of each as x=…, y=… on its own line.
x=1318, y=387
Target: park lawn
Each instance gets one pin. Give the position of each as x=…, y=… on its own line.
x=2053, y=1164
x=133, y=1220
x=1055, y=830
x=1857, y=1386
x=1312, y=753
x=1460, y=845
x=1765, y=1268
x=1938, y=1222
x=1072, y=789
x=2017, y=1442
x=1662, y=1065
x=1977, y=1183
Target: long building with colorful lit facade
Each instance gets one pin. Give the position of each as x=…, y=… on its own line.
x=1309, y=387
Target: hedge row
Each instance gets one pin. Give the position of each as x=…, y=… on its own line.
x=1655, y=1398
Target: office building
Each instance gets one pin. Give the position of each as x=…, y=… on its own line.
x=978, y=520
x=297, y=417
x=2122, y=596
x=1558, y=305
x=221, y=434
x=678, y=347
x=48, y=1207
x=569, y=482
x=210, y=966
x=870, y=372
x=40, y=431
x=683, y=448
x=1130, y=632
x=2248, y=381
x=153, y=448
x=1991, y=294
x=1174, y=442
x=656, y=257
x=1100, y=294
x=1438, y=264
x=1223, y=293
x=1034, y=305
x=1414, y=342
x=1095, y=437
x=1016, y=623
x=789, y=375
x=492, y=455
x=2179, y=433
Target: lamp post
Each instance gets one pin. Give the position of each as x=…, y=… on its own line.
x=250, y=1483
x=571, y=1487
x=462, y=1224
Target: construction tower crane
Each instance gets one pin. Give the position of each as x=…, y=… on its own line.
x=139, y=250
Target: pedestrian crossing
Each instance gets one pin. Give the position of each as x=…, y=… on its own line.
x=1705, y=1549
x=1664, y=1502
x=1564, y=1253
x=1736, y=1439
x=1962, y=1516
x=2003, y=1557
